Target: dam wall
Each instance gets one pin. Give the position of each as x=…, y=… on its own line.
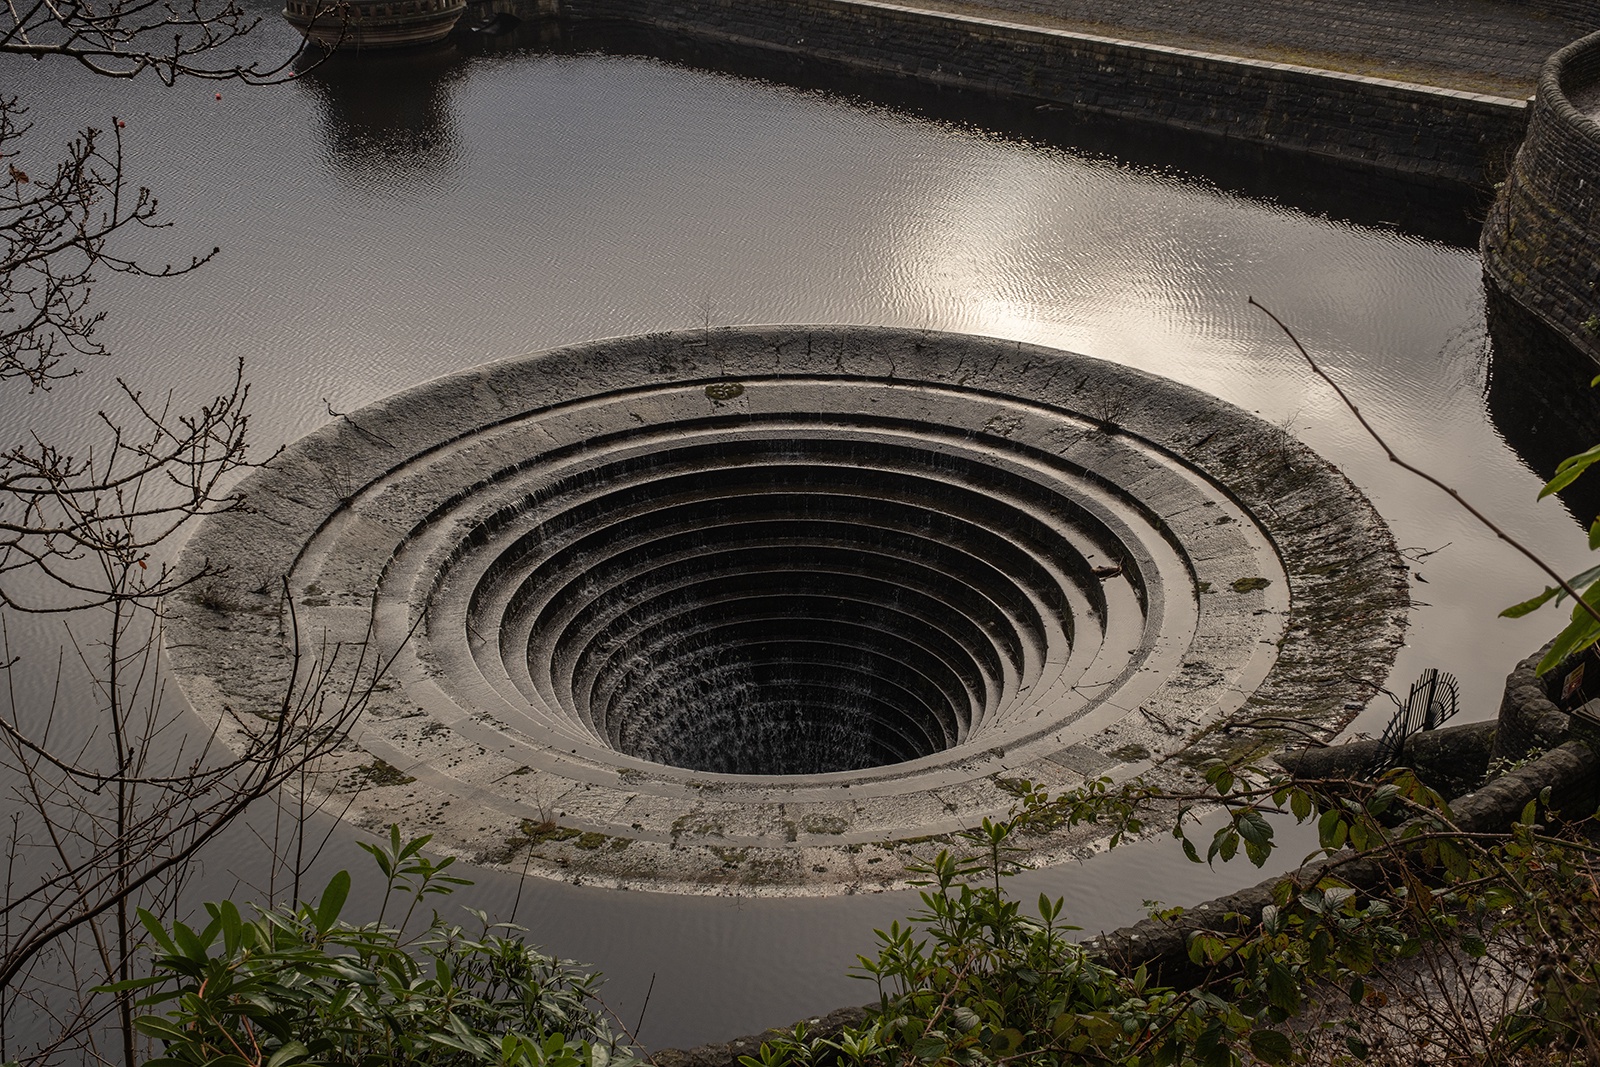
x=1395, y=127
x=1539, y=243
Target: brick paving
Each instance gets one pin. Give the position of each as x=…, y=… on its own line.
x=1484, y=46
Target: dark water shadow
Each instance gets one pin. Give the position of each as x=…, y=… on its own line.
x=387, y=111
x=1540, y=400
x=1447, y=212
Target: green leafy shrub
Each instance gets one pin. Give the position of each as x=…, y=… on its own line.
x=1476, y=948
x=974, y=980
x=301, y=986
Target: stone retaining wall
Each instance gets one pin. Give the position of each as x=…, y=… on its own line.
x=1390, y=126
x=1579, y=13
x=1541, y=243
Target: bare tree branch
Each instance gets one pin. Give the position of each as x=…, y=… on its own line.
x=1489, y=524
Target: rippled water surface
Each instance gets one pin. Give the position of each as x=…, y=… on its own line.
x=383, y=226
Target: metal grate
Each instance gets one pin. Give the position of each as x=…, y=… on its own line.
x=1433, y=700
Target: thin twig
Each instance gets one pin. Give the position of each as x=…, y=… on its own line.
x=1487, y=523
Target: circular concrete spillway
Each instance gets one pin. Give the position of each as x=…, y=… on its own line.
x=778, y=610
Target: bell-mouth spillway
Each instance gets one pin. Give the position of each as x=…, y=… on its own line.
x=778, y=609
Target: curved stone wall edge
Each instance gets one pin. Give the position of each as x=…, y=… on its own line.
x=1541, y=242
x=229, y=645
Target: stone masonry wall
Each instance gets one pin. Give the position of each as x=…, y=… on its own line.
x=1437, y=133
x=1541, y=243
x=1582, y=14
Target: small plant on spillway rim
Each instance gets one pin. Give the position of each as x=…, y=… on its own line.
x=299, y=985
x=1109, y=408
x=1583, y=627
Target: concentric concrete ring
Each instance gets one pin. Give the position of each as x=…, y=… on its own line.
x=777, y=609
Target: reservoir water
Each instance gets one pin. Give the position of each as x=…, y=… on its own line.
x=385, y=225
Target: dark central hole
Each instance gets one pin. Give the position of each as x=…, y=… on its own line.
x=783, y=648
x=788, y=607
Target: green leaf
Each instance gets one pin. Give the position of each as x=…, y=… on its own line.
x=1282, y=990
x=132, y=984
x=232, y=926
x=1454, y=860
x=1336, y=896
x=450, y=1041
x=1254, y=827
x=1331, y=830
x=1567, y=471
x=1357, y=955
x=1517, y=611
x=1579, y=634
x=1210, y=1050
x=1257, y=834
x=291, y=1051
x=189, y=943
x=332, y=902
x=1585, y=578
x=1530, y=813
x=379, y=857
x=1271, y=1046
x=345, y=967
x=412, y=847
x=1206, y=948
x=162, y=1028
x=157, y=932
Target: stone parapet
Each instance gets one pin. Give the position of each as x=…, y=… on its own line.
x=1541, y=243
x=1377, y=123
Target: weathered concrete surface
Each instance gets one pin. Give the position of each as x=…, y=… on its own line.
x=1376, y=123
x=1485, y=46
x=1529, y=721
x=1280, y=594
x=1444, y=757
x=1541, y=242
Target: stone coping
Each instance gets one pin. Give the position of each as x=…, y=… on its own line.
x=1266, y=586
x=1420, y=89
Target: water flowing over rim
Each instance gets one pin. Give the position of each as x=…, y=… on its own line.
x=1030, y=565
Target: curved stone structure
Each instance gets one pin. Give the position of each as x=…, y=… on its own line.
x=775, y=610
x=1541, y=243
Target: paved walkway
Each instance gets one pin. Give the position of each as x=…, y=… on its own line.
x=1479, y=46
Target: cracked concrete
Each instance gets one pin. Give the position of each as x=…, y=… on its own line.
x=1171, y=634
